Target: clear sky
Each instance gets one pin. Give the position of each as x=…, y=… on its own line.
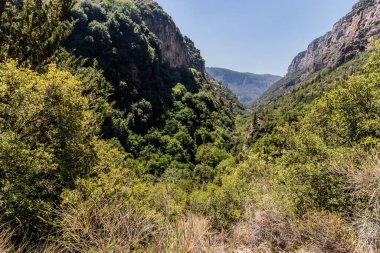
x=259, y=36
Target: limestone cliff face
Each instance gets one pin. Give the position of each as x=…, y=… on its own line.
x=177, y=50
x=352, y=34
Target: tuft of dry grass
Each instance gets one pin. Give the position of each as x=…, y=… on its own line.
x=101, y=227
x=119, y=228
x=6, y=245
x=269, y=231
x=265, y=231
x=362, y=175
x=192, y=234
x=326, y=232
x=189, y=234
x=367, y=227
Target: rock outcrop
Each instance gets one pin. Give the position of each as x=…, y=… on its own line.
x=254, y=128
x=351, y=35
x=177, y=51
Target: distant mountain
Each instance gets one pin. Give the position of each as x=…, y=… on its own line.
x=246, y=86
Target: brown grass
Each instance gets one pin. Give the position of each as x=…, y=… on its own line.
x=192, y=234
x=326, y=232
x=362, y=175
x=102, y=227
x=265, y=231
x=7, y=246
x=269, y=231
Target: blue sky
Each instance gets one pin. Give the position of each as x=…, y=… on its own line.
x=259, y=36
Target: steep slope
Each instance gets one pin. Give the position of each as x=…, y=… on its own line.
x=316, y=149
x=351, y=35
x=177, y=51
x=165, y=106
x=246, y=86
x=164, y=172
x=118, y=96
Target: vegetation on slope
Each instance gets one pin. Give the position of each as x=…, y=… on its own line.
x=105, y=148
x=103, y=107
x=318, y=142
x=246, y=86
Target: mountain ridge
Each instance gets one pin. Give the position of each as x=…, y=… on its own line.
x=352, y=34
x=247, y=86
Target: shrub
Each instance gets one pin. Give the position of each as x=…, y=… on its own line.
x=223, y=204
x=46, y=130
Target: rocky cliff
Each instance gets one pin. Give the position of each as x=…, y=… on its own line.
x=177, y=51
x=351, y=35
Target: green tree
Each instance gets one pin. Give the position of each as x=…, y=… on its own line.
x=46, y=131
x=32, y=30
x=349, y=114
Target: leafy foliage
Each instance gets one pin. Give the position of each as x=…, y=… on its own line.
x=138, y=156
x=46, y=133
x=31, y=31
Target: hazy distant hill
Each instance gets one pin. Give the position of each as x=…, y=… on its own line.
x=246, y=86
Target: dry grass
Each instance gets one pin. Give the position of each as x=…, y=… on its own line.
x=121, y=229
x=189, y=234
x=7, y=246
x=192, y=234
x=269, y=231
x=265, y=231
x=100, y=227
x=363, y=176
x=367, y=227
x=363, y=182
x=326, y=232
x=6, y=242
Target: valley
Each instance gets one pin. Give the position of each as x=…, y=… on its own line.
x=116, y=137
x=246, y=86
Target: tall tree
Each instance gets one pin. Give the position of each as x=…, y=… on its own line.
x=32, y=30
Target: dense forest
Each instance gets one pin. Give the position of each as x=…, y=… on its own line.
x=109, y=144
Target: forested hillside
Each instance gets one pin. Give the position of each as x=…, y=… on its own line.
x=246, y=86
x=113, y=139
x=88, y=94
